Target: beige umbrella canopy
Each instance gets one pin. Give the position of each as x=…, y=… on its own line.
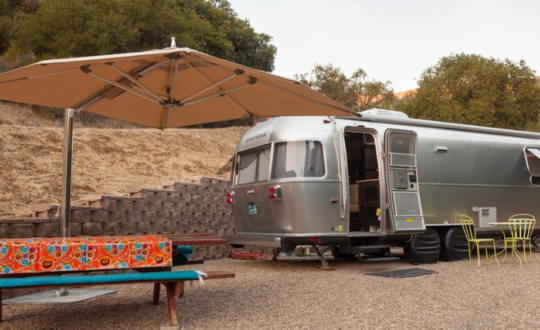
x=163, y=88
x=160, y=88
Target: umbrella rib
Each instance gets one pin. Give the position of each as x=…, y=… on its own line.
x=238, y=105
x=349, y=112
x=266, y=75
x=196, y=71
x=51, y=73
x=38, y=76
x=236, y=74
x=209, y=82
x=153, y=67
x=305, y=97
x=218, y=94
x=202, y=61
x=121, y=86
x=88, y=104
x=138, y=83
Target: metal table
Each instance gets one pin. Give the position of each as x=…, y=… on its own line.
x=506, y=226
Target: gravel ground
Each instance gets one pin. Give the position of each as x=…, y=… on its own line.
x=292, y=293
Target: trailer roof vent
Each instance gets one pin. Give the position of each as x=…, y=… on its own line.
x=384, y=112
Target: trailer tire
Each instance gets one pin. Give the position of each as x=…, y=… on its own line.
x=340, y=255
x=454, y=244
x=423, y=248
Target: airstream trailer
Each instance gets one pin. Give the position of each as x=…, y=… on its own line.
x=361, y=184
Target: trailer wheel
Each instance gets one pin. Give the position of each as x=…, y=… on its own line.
x=340, y=255
x=454, y=245
x=423, y=248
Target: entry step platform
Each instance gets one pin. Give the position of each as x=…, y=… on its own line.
x=370, y=249
x=377, y=259
x=373, y=253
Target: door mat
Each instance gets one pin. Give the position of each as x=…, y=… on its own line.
x=405, y=273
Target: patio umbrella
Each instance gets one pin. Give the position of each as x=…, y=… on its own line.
x=164, y=88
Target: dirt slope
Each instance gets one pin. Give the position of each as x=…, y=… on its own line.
x=105, y=161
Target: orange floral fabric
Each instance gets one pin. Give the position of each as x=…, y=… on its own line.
x=83, y=253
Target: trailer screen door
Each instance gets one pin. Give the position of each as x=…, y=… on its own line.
x=405, y=208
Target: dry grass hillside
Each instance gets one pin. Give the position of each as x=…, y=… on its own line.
x=105, y=161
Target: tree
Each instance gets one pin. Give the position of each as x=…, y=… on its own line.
x=356, y=92
x=13, y=15
x=471, y=89
x=32, y=30
x=71, y=28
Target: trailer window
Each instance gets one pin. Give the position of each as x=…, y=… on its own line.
x=402, y=148
x=253, y=165
x=532, y=155
x=401, y=145
x=298, y=159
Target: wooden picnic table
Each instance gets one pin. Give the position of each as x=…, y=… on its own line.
x=146, y=274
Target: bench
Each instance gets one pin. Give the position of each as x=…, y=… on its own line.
x=195, y=239
x=172, y=280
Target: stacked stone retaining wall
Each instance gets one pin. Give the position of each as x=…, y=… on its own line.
x=198, y=206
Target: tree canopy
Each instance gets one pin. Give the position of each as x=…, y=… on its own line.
x=357, y=92
x=471, y=89
x=35, y=30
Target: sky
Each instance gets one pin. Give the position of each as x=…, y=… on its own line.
x=391, y=39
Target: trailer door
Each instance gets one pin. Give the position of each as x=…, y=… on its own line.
x=404, y=206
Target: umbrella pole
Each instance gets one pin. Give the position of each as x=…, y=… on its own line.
x=65, y=207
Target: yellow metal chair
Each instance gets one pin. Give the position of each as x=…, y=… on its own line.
x=521, y=230
x=470, y=231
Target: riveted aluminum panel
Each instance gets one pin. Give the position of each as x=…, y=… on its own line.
x=305, y=208
x=263, y=219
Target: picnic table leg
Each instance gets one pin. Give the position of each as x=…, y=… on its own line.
x=157, y=287
x=0, y=305
x=179, y=289
x=171, y=304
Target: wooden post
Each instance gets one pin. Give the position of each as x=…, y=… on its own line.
x=157, y=287
x=171, y=305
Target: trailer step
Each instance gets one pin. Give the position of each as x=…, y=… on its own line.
x=369, y=248
x=377, y=259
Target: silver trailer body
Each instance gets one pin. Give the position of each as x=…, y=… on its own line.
x=347, y=180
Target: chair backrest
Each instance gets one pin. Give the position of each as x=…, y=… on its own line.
x=468, y=226
x=522, y=225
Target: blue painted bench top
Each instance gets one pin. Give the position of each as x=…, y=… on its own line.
x=67, y=280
